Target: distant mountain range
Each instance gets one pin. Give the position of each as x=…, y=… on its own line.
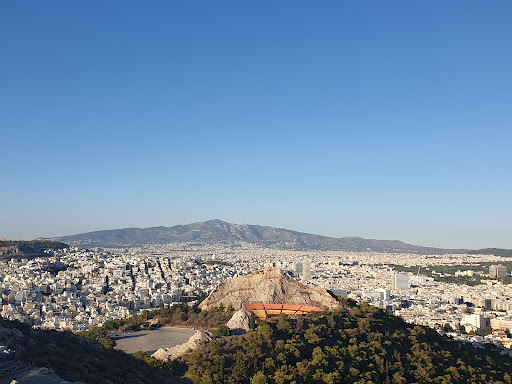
x=222, y=232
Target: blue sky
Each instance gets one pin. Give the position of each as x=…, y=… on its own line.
x=387, y=120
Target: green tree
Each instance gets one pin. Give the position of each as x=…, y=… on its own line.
x=284, y=325
x=259, y=378
x=108, y=342
x=223, y=331
x=353, y=345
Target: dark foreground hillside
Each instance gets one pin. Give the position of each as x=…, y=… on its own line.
x=361, y=345
x=358, y=344
x=76, y=358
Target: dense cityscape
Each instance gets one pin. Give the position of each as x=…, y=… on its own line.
x=76, y=289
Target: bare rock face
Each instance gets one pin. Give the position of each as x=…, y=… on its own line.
x=239, y=323
x=169, y=354
x=154, y=321
x=268, y=286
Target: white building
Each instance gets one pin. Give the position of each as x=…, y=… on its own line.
x=400, y=281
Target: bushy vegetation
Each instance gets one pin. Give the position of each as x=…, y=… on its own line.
x=356, y=345
x=108, y=342
x=180, y=314
x=222, y=331
x=361, y=344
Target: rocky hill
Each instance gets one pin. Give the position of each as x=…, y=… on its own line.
x=220, y=231
x=27, y=249
x=268, y=286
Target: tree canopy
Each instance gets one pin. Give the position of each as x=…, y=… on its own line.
x=362, y=344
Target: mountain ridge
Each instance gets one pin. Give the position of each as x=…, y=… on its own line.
x=219, y=231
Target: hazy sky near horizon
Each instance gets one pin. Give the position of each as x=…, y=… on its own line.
x=385, y=120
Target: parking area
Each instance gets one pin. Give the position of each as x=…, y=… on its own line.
x=150, y=341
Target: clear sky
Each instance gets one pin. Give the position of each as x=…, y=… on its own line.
x=379, y=119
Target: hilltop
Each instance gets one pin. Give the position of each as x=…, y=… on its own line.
x=27, y=249
x=269, y=286
x=221, y=232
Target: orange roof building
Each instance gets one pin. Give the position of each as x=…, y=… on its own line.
x=264, y=311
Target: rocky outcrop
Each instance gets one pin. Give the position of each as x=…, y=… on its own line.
x=169, y=354
x=239, y=323
x=20, y=249
x=6, y=252
x=268, y=286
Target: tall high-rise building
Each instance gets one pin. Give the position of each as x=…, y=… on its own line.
x=306, y=270
x=385, y=294
x=400, y=281
x=476, y=320
x=303, y=269
x=497, y=271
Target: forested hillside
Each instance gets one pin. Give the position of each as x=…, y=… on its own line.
x=361, y=345
x=355, y=345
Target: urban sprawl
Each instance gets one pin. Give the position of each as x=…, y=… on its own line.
x=76, y=289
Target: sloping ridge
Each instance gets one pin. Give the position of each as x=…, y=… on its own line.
x=220, y=231
x=268, y=286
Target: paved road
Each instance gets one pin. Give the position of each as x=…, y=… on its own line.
x=150, y=341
